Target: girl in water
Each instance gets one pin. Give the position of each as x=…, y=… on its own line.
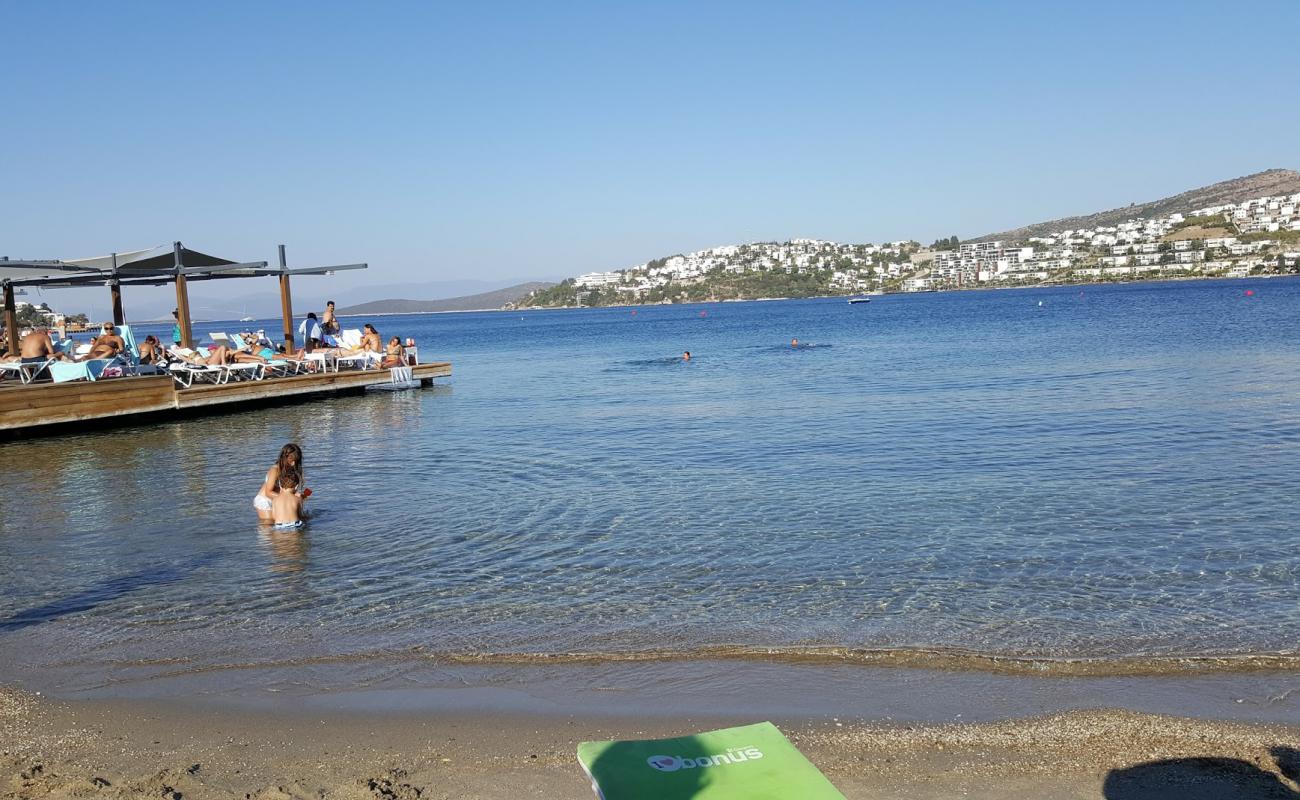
x=288, y=464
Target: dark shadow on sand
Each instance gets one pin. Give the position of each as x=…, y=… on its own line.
x=102, y=592
x=1205, y=779
x=678, y=784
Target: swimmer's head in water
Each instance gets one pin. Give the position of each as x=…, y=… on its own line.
x=686, y=356
x=794, y=342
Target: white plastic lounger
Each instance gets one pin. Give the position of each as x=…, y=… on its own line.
x=365, y=357
x=132, y=355
x=185, y=373
x=322, y=357
x=26, y=372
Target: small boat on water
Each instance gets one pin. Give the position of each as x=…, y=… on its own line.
x=856, y=300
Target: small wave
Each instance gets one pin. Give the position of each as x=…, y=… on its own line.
x=647, y=363
x=791, y=348
x=947, y=660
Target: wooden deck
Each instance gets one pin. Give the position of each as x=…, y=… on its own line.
x=45, y=408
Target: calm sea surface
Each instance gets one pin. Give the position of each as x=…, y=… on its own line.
x=1103, y=473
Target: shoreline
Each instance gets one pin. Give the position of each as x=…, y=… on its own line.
x=124, y=748
x=401, y=685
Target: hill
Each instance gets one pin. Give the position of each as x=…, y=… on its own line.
x=1268, y=182
x=484, y=301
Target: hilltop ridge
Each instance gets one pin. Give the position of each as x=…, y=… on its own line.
x=1244, y=226
x=483, y=301
x=1236, y=190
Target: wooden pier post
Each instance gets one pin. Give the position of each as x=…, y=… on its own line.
x=11, y=320
x=182, y=301
x=286, y=304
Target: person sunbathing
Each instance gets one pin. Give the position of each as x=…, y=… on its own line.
x=37, y=347
x=107, y=345
x=251, y=352
x=216, y=357
x=151, y=350
x=371, y=342
x=395, y=355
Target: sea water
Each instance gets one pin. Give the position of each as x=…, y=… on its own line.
x=1104, y=474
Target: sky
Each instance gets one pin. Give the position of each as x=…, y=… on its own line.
x=499, y=142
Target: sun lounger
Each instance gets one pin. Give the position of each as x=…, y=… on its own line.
x=278, y=365
x=187, y=373
x=351, y=339
x=321, y=357
x=26, y=372
x=752, y=761
x=63, y=371
x=365, y=358
x=132, y=354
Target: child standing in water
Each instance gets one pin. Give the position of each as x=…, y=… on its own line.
x=289, y=463
x=287, y=503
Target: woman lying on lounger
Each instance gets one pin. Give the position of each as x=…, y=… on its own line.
x=221, y=355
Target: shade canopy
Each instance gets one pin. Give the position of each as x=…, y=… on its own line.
x=156, y=265
x=17, y=271
x=154, y=259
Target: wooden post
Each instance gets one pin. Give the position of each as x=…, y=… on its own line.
x=115, y=288
x=11, y=319
x=182, y=301
x=286, y=305
x=119, y=317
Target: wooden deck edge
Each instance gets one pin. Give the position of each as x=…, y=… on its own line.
x=139, y=400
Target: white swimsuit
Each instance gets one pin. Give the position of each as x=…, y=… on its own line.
x=261, y=502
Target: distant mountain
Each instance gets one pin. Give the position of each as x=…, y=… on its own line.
x=1268, y=182
x=484, y=301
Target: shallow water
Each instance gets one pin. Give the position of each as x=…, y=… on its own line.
x=1109, y=475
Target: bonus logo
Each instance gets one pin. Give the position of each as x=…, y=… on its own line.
x=665, y=763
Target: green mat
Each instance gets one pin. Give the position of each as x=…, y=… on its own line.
x=752, y=762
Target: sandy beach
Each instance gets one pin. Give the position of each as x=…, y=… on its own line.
x=119, y=748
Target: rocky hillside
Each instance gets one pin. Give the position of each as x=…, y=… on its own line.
x=1268, y=182
x=475, y=302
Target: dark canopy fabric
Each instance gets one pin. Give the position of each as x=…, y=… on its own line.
x=156, y=262
x=149, y=262
x=22, y=270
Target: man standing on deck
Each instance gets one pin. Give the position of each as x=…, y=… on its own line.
x=176, y=328
x=329, y=324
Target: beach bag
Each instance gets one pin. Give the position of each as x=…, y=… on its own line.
x=752, y=762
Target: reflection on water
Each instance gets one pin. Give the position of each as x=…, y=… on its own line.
x=287, y=549
x=956, y=473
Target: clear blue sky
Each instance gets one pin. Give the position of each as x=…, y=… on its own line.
x=539, y=140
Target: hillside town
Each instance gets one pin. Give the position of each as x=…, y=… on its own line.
x=1257, y=236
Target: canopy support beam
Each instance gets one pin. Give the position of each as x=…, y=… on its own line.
x=286, y=304
x=115, y=288
x=325, y=270
x=182, y=301
x=11, y=319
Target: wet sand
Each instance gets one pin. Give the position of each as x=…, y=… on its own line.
x=134, y=748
